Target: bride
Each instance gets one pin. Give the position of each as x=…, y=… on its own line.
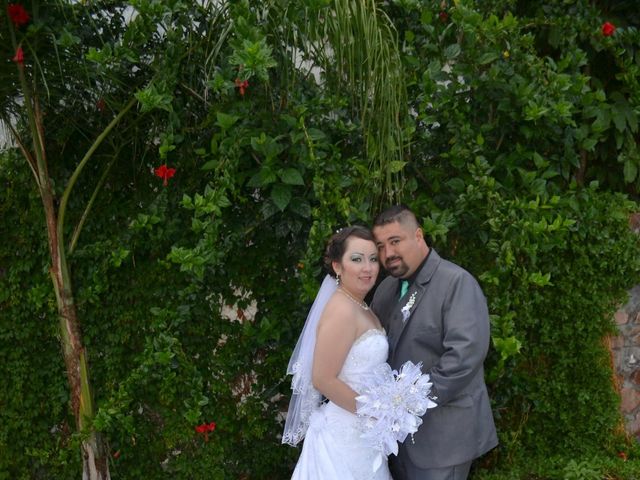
x=340, y=345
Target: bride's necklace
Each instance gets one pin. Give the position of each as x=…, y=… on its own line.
x=362, y=305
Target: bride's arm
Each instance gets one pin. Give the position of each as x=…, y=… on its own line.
x=337, y=331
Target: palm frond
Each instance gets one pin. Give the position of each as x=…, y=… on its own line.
x=356, y=45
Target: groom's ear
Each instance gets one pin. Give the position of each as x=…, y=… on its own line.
x=419, y=234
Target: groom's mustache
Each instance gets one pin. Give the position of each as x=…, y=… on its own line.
x=391, y=259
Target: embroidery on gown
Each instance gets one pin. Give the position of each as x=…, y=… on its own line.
x=367, y=334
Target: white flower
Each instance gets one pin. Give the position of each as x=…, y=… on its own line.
x=406, y=310
x=392, y=404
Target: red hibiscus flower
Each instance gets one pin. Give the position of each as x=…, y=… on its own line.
x=165, y=173
x=242, y=85
x=19, y=56
x=608, y=29
x=18, y=15
x=443, y=16
x=205, y=428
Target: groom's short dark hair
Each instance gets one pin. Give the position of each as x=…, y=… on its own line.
x=397, y=213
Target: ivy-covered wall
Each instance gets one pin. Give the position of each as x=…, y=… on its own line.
x=520, y=160
x=625, y=350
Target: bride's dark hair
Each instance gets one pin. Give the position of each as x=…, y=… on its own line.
x=338, y=244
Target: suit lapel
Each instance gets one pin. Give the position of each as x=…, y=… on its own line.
x=417, y=291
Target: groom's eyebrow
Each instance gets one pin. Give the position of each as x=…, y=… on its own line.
x=381, y=242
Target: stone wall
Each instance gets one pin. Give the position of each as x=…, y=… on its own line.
x=625, y=350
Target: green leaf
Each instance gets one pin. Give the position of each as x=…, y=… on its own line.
x=301, y=207
x=187, y=202
x=264, y=177
x=67, y=39
x=102, y=56
x=396, y=166
x=226, y=121
x=452, y=51
x=508, y=347
x=291, y=176
x=118, y=256
x=266, y=145
x=316, y=134
x=281, y=196
x=426, y=17
x=435, y=69
x=222, y=200
x=539, y=161
x=630, y=170
x=632, y=120
x=210, y=165
x=488, y=57
x=589, y=143
x=254, y=57
x=151, y=98
x=456, y=184
x=540, y=279
x=602, y=121
x=619, y=119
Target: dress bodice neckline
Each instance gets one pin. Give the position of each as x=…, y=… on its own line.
x=369, y=332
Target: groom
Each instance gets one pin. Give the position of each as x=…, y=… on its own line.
x=435, y=313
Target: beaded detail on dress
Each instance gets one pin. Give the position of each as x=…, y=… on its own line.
x=367, y=334
x=370, y=349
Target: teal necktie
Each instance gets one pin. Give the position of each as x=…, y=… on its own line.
x=404, y=286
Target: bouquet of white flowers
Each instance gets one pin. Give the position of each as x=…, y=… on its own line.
x=392, y=405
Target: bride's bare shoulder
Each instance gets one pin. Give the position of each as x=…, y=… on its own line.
x=339, y=313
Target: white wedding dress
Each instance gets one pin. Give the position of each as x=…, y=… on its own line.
x=333, y=449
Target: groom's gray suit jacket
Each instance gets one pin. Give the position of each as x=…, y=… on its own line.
x=448, y=331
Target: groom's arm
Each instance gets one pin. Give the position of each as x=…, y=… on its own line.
x=465, y=336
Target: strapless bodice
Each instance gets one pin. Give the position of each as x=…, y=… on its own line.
x=368, y=351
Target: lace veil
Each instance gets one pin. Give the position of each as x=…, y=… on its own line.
x=305, y=398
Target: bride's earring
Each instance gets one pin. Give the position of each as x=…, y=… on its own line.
x=337, y=279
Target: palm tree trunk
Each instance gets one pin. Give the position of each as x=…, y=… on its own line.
x=94, y=452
